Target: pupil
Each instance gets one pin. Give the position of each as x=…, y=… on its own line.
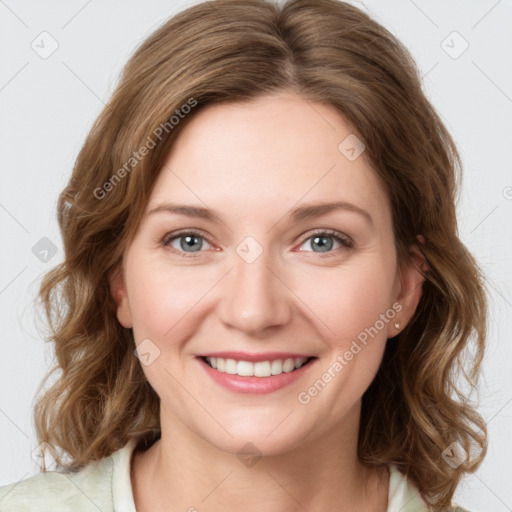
x=324, y=247
x=189, y=244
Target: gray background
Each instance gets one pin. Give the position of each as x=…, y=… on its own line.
x=48, y=105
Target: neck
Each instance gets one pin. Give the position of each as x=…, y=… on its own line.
x=184, y=472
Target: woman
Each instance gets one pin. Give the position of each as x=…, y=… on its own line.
x=264, y=301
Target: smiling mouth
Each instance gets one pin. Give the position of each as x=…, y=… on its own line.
x=256, y=369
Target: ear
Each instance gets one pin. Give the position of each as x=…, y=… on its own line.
x=410, y=280
x=120, y=296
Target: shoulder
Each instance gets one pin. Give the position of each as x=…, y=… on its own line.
x=87, y=489
x=403, y=495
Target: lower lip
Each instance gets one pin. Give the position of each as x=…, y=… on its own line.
x=255, y=385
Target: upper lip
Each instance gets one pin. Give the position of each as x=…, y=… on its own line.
x=246, y=356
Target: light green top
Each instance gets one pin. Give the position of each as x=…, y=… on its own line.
x=105, y=485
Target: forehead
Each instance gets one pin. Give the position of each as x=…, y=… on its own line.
x=267, y=156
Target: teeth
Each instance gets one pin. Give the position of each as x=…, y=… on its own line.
x=288, y=365
x=231, y=366
x=259, y=369
x=276, y=367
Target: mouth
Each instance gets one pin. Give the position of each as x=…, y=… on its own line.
x=260, y=369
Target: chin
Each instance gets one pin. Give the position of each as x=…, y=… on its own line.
x=256, y=441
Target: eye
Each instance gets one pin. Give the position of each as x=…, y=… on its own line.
x=188, y=242
x=322, y=239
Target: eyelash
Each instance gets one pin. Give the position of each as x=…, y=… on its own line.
x=344, y=240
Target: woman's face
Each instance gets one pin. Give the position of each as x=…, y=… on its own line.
x=252, y=270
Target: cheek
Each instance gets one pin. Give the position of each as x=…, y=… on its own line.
x=350, y=300
x=353, y=316
x=163, y=298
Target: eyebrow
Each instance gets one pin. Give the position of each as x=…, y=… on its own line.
x=301, y=213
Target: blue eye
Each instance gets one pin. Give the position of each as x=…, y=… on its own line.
x=323, y=240
x=191, y=241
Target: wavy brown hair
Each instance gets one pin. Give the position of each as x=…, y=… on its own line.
x=224, y=51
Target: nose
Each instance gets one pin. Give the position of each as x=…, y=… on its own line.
x=255, y=295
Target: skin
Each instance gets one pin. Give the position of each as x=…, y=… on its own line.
x=252, y=163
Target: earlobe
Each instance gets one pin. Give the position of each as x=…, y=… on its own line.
x=120, y=296
x=411, y=280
